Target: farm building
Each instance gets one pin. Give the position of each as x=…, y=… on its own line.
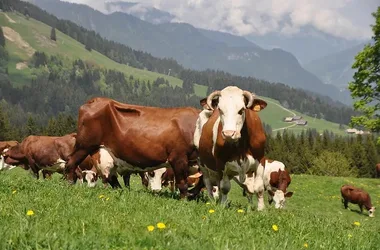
x=301, y=122
x=292, y=118
x=356, y=132
x=296, y=118
x=288, y=119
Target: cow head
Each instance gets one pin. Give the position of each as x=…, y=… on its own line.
x=280, y=194
x=91, y=177
x=3, y=165
x=372, y=212
x=156, y=178
x=231, y=103
x=15, y=156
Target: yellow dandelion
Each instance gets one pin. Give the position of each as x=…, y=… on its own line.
x=305, y=245
x=240, y=211
x=349, y=235
x=275, y=227
x=101, y=196
x=14, y=191
x=107, y=198
x=357, y=223
x=30, y=213
x=211, y=211
x=161, y=225
x=150, y=228
x=208, y=203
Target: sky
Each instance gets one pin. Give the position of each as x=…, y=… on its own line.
x=349, y=19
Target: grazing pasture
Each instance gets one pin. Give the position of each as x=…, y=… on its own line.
x=51, y=214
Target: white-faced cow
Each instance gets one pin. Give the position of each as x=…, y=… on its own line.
x=357, y=196
x=276, y=182
x=232, y=143
x=4, y=147
x=138, y=138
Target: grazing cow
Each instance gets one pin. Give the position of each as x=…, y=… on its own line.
x=357, y=196
x=4, y=146
x=276, y=181
x=41, y=152
x=139, y=138
x=232, y=143
x=378, y=170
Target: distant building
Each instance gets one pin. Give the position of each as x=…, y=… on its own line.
x=295, y=118
x=288, y=119
x=301, y=122
x=357, y=132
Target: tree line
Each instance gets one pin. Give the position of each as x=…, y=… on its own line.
x=297, y=99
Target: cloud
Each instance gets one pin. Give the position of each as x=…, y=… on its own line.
x=348, y=19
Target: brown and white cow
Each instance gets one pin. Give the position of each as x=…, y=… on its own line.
x=4, y=146
x=41, y=152
x=276, y=182
x=138, y=138
x=232, y=143
x=378, y=170
x=357, y=196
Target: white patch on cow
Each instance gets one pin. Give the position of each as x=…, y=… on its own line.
x=279, y=199
x=58, y=165
x=3, y=165
x=106, y=165
x=202, y=119
x=215, y=134
x=372, y=212
x=155, y=182
x=232, y=116
x=90, y=177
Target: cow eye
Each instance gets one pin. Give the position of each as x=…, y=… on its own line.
x=241, y=111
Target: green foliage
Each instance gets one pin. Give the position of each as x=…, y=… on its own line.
x=2, y=38
x=6, y=132
x=366, y=85
x=332, y=164
x=53, y=36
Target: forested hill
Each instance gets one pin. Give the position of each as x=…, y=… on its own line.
x=47, y=84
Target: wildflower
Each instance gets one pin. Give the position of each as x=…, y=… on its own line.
x=305, y=245
x=161, y=225
x=204, y=217
x=150, y=228
x=208, y=203
x=240, y=211
x=357, y=223
x=101, y=196
x=349, y=235
x=29, y=213
x=107, y=198
x=211, y=211
x=275, y=227
x=14, y=191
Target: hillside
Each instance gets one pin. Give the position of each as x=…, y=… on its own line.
x=190, y=47
x=33, y=35
x=335, y=69
x=314, y=217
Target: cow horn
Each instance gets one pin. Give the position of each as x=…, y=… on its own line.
x=212, y=96
x=249, y=96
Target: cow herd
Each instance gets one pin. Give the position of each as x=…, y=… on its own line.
x=184, y=148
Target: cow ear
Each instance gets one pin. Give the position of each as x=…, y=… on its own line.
x=271, y=192
x=258, y=105
x=289, y=194
x=203, y=103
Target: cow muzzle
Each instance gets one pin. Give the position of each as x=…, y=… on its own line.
x=230, y=135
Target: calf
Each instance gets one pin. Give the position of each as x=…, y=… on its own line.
x=357, y=196
x=276, y=181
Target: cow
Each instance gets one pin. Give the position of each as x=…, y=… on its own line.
x=4, y=146
x=232, y=142
x=139, y=138
x=378, y=170
x=357, y=196
x=41, y=152
x=276, y=182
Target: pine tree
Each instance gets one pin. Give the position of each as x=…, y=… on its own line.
x=5, y=128
x=2, y=38
x=31, y=126
x=53, y=35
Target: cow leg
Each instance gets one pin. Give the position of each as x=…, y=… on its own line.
x=180, y=168
x=260, y=201
x=112, y=180
x=270, y=198
x=361, y=208
x=127, y=180
x=345, y=202
x=225, y=187
x=144, y=180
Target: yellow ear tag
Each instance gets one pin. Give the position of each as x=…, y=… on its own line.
x=257, y=108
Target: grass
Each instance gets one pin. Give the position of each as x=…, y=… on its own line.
x=77, y=217
x=37, y=34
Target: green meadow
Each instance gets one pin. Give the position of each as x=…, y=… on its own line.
x=51, y=214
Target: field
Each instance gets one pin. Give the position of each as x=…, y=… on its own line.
x=77, y=217
x=37, y=36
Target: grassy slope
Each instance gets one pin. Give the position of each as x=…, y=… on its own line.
x=74, y=217
x=37, y=35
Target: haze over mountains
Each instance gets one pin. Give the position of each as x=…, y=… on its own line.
x=265, y=58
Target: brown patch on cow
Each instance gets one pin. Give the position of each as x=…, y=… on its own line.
x=7, y=144
x=280, y=180
x=357, y=196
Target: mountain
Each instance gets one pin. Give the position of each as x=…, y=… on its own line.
x=335, y=69
x=192, y=47
x=140, y=11
x=307, y=45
